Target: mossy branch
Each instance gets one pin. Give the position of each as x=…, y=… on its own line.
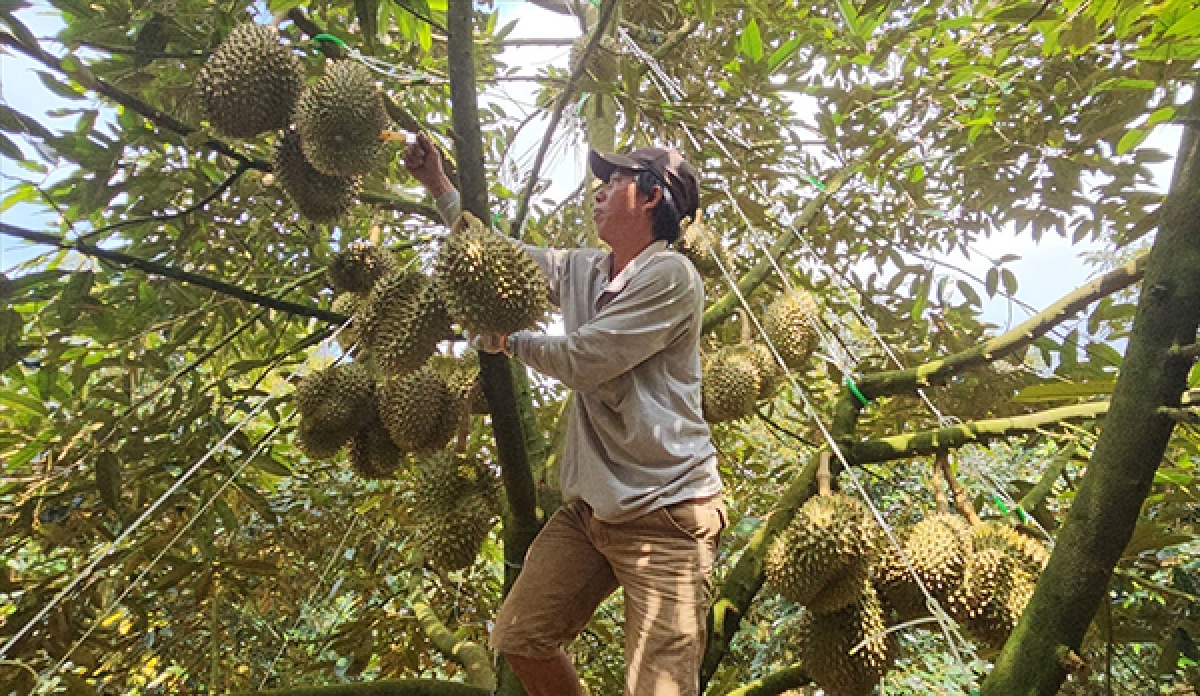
x=473, y=658
x=400, y=204
x=1128, y=452
x=940, y=371
x=404, y=687
x=775, y=683
x=973, y=432
x=721, y=310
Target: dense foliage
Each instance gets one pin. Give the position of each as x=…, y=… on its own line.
x=950, y=122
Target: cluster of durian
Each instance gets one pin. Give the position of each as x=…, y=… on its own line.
x=603, y=63
x=454, y=507
x=790, y=325
x=340, y=405
x=702, y=246
x=252, y=83
x=823, y=560
x=489, y=282
x=983, y=575
x=735, y=378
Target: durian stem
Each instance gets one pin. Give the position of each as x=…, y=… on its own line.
x=156, y=268
x=607, y=11
x=824, y=477
x=962, y=499
x=940, y=371
x=937, y=481
x=1032, y=502
x=1128, y=452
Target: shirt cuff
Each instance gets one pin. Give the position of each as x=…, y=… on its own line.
x=449, y=206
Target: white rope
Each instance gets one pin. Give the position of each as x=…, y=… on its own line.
x=112, y=545
x=309, y=602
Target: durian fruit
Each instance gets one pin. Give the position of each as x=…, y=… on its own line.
x=1028, y=552
x=420, y=410
x=250, y=84
x=789, y=324
x=489, y=282
x=341, y=118
x=994, y=593
x=462, y=374
x=703, y=248
x=825, y=642
x=770, y=374
x=730, y=384
x=319, y=197
x=938, y=548
x=403, y=321
x=454, y=502
x=895, y=584
x=320, y=444
x=823, y=559
x=359, y=266
x=338, y=398
x=349, y=304
x=373, y=454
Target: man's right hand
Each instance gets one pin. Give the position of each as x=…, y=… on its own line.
x=424, y=162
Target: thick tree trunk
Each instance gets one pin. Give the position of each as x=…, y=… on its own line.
x=1131, y=445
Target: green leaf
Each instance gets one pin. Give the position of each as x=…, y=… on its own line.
x=1160, y=116
x=59, y=87
x=1149, y=535
x=1132, y=138
x=1187, y=26
x=22, y=192
x=1058, y=391
x=991, y=282
x=108, y=479
x=750, y=44
x=969, y=293
x=705, y=9
x=1010, y=281
x=782, y=54
x=9, y=149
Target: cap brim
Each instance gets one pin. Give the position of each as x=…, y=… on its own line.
x=603, y=163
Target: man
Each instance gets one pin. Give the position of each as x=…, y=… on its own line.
x=641, y=491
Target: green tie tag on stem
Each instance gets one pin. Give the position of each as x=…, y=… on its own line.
x=857, y=394
x=330, y=38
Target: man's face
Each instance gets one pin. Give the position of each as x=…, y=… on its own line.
x=619, y=208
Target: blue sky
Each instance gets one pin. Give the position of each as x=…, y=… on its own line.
x=1046, y=270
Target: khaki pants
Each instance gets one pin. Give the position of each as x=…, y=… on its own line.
x=663, y=560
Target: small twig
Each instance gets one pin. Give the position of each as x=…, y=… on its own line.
x=130, y=51
x=216, y=193
x=962, y=499
x=795, y=436
x=1180, y=415
x=1190, y=352
x=938, y=483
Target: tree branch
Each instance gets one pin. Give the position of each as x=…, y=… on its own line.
x=400, y=204
x=1128, y=452
x=720, y=310
x=983, y=431
x=775, y=683
x=940, y=371
x=495, y=369
x=84, y=76
x=473, y=658
x=215, y=194
x=155, y=268
x=607, y=11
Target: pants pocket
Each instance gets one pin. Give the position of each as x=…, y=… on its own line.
x=697, y=520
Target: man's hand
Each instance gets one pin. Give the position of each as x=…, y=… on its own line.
x=424, y=162
x=488, y=342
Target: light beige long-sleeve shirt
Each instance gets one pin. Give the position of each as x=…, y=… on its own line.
x=636, y=438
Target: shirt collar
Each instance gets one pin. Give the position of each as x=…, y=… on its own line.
x=618, y=283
